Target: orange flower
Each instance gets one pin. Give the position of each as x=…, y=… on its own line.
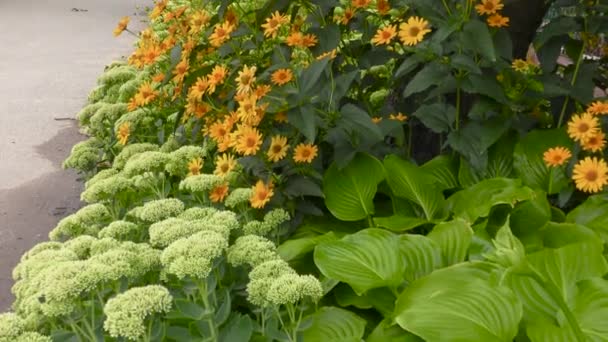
x=246, y=79
x=329, y=54
x=360, y=3
x=273, y=24
x=489, y=7
x=590, y=175
x=145, y=95
x=151, y=54
x=217, y=77
x=196, y=108
x=278, y=148
x=582, y=127
x=218, y=131
x=556, y=156
x=385, y=35
x=199, y=88
x=181, y=70
x=198, y=20
x=262, y=193
x=122, y=25
x=158, y=9
x=398, y=117
x=383, y=7
x=413, y=31
x=497, y=20
x=282, y=76
x=598, y=108
x=309, y=40
x=376, y=119
x=221, y=34
x=305, y=153
x=194, y=166
x=345, y=18
x=219, y=193
x=158, y=78
x=123, y=133
x=224, y=164
x=262, y=90
x=280, y=117
x=595, y=143
x=247, y=110
x=295, y=39
x=248, y=141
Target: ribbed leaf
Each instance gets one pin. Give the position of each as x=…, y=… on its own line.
x=421, y=256
x=411, y=182
x=455, y=304
x=593, y=213
x=349, y=192
x=454, y=238
x=335, y=324
x=365, y=260
x=445, y=171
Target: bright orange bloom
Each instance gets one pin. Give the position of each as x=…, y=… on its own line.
x=309, y=40
x=224, y=164
x=122, y=25
x=181, y=70
x=497, y=20
x=282, y=76
x=413, y=31
x=556, y=156
x=360, y=3
x=383, y=7
x=248, y=141
x=273, y=24
x=217, y=77
x=398, y=117
x=305, y=153
x=296, y=38
x=595, y=143
x=598, y=108
x=487, y=7
x=385, y=35
x=278, y=148
x=145, y=95
x=221, y=34
x=262, y=193
x=348, y=15
x=582, y=127
x=195, y=166
x=590, y=175
x=246, y=79
x=124, y=131
x=219, y=193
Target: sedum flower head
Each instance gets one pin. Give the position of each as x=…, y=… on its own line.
x=31, y=336
x=131, y=150
x=197, y=213
x=108, y=113
x=193, y=256
x=97, y=94
x=103, y=174
x=82, y=158
x=276, y=217
x=119, y=74
x=128, y=264
x=238, y=196
x=179, y=159
x=171, y=144
x=261, y=279
x=158, y=210
x=166, y=232
x=150, y=161
x=43, y=246
x=81, y=245
x=120, y=230
x=256, y=227
x=126, y=313
x=85, y=114
x=36, y=263
x=11, y=326
x=252, y=250
x=106, y=190
x=291, y=288
x=86, y=221
x=200, y=183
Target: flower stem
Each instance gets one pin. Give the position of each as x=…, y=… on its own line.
x=577, y=68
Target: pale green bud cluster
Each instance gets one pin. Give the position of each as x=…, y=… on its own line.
x=131, y=150
x=126, y=313
x=96, y=94
x=251, y=250
x=120, y=230
x=166, y=232
x=197, y=213
x=149, y=161
x=238, y=196
x=119, y=74
x=107, y=114
x=80, y=245
x=193, y=256
x=31, y=336
x=134, y=118
x=200, y=183
x=272, y=220
x=103, y=174
x=84, y=155
x=292, y=288
x=86, y=221
x=43, y=246
x=106, y=190
x=179, y=159
x=41, y=260
x=158, y=210
x=261, y=279
x=11, y=326
x=87, y=112
x=225, y=218
x=171, y=144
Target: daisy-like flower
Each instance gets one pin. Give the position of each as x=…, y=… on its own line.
x=282, y=76
x=221, y=34
x=145, y=95
x=158, y=9
x=398, y=117
x=520, y=65
x=376, y=119
x=123, y=133
x=582, y=127
x=487, y=7
x=248, y=141
x=199, y=88
x=329, y=54
x=217, y=77
x=595, y=143
x=309, y=40
x=262, y=90
x=296, y=38
x=590, y=174
x=497, y=20
x=122, y=25
x=556, y=156
x=360, y=3
x=151, y=54
x=383, y=6
x=219, y=193
x=413, y=31
x=158, y=78
x=224, y=164
x=598, y=108
x=278, y=148
x=262, y=193
x=248, y=109
x=385, y=35
x=305, y=153
x=195, y=166
x=218, y=131
x=273, y=24
x=345, y=18
x=181, y=70
x=246, y=79
x=198, y=20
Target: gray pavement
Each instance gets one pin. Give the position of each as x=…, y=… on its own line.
x=51, y=53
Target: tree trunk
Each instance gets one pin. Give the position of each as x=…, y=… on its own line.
x=525, y=16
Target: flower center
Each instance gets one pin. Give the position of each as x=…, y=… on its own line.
x=306, y=153
x=262, y=195
x=489, y=6
x=583, y=128
x=224, y=168
x=276, y=148
x=591, y=176
x=414, y=31
x=250, y=142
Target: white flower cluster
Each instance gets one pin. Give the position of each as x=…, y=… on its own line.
x=150, y=161
x=87, y=112
x=272, y=220
x=120, y=230
x=251, y=250
x=197, y=213
x=131, y=150
x=108, y=113
x=158, y=210
x=86, y=221
x=117, y=74
x=126, y=313
x=193, y=256
x=200, y=183
x=164, y=233
x=179, y=159
x=13, y=329
x=105, y=190
x=238, y=196
x=101, y=175
x=84, y=156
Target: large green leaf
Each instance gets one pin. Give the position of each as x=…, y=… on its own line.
x=399, y=223
x=365, y=260
x=295, y=248
x=432, y=74
x=454, y=238
x=386, y=332
x=593, y=213
x=411, y=182
x=477, y=200
x=335, y=324
x=458, y=304
x=529, y=164
x=445, y=171
x=421, y=256
x=349, y=192
x=477, y=37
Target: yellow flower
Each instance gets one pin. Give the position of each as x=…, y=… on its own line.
x=360, y=3
x=295, y=39
x=556, y=156
x=385, y=35
x=122, y=25
x=181, y=70
x=262, y=193
x=520, y=65
x=158, y=9
x=282, y=76
x=497, y=20
x=247, y=110
x=245, y=79
x=383, y=6
x=345, y=18
x=158, y=78
x=199, y=88
x=376, y=119
x=194, y=166
x=221, y=34
x=224, y=164
x=412, y=32
x=218, y=131
x=198, y=20
x=145, y=94
x=273, y=24
x=123, y=133
x=398, y=117
x=309, y=40
x=598, y=108
x=278, y=148
x=219, y=193
x=281, y=117
x=582, y=127
x=329, y=54
x=248, y=141
x=217, y=77
x=590, y=174
x=305, y=153
x=489, y=7
x=262, y=90
x=595, y=143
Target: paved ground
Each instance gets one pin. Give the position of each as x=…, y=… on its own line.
x=51, y=55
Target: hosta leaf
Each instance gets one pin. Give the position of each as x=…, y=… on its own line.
x=477, y=200
x=593, y=213
x=456, y=304
x=445, y=171
x=349, y=192
x=421, y=256
x=335, y=324
x=295, y=248
x=365, y=260
x=454, y=238
x=411, y=182
x=385, y=332
x=399, y=223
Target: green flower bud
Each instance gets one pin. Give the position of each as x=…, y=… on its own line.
x=179, y=159
x=158, y=210
x=43, y=246
x=32, y=337
x=197, y=213
x=261, y=279
x=200, y=183
x=193, y=257
x=291, y=288
x=85, y=114
x=11, y=326
x=106, y=190
x=252, y=250
x=238, y=196
x=131, y=150
x=87, y=221
x=120, y=230
x=80, y=245
x=103, y=174
x=149, y=161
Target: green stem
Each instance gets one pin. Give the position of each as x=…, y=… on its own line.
x=370, y=222
x=447, y=8
x=458, y=101
x=205, y=297
x=577, y=68
x=550, y=181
